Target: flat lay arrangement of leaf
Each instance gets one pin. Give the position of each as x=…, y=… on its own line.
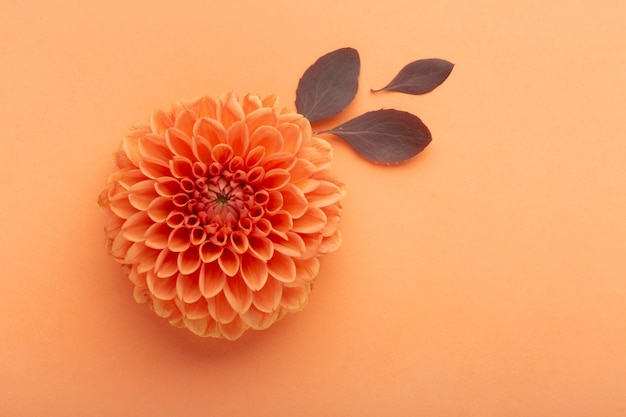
x=386, y=136
x=329, y=85
x=420, y=77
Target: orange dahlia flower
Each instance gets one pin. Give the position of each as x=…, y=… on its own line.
x=218, y=211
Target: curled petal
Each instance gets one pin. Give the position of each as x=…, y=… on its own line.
x=292, y=245
x=167, y=186
x=222, y=154
x=157, y=236
x=210, y=252
x=307, y=268
x=153, y=146
x=229, y=262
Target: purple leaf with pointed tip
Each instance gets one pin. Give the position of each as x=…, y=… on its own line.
x=329, y=85
x=420, y=77
x=385, y=136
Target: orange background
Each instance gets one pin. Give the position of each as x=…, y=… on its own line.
x=486, y=277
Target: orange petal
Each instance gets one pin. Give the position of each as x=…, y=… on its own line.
x=203, y=107
x=178, y=143
x=238, y=137
x=294, y=201
x=312, y=221
x=312, y=241
x=135, y=227
x=142, y=194
x=282, y=267
x=281, y=223
x=201, y=149
x=239, y=242
x=167, y=186
x=165, y=308
x=231, y=109
x=330, y=243
x=307, y=268
x=120, y=246
x=267, y=299
x=154, y=146
x=275, y=179
x=157, y=236
x=292, y=137
x=185, y=121
x=222, y=153
x=293, y=244
x=263, y=116
x=187, y=288
x=196, y=311
x=160, y=121
x=261, y=247
x=253, y=271
x=259, y=320
x=120, y=205
x=130, y=144
x=234, y=329
x=238, y=294
x=274, y=203
x=166, y=264
x=161, y=288
x=189, y=261
x=211, y=130
x=295, y=298
x=251, y=102
x=154, y=168
x=282, y=160
x=269, y=137
x=325, y=194
x=220, y=309
x=255, y=156
x=181, y=167
x=210, y=252
x=229, y=262
x=212, y=279
x=178, y=240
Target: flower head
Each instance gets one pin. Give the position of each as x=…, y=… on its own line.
x=219, y=210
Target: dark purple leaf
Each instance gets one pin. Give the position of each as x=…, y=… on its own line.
x=329, y=85
x=420, y=77
x=386, y=136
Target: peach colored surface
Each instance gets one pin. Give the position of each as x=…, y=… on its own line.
x=484, y=278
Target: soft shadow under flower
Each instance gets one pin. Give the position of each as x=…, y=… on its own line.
x=219, y=210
